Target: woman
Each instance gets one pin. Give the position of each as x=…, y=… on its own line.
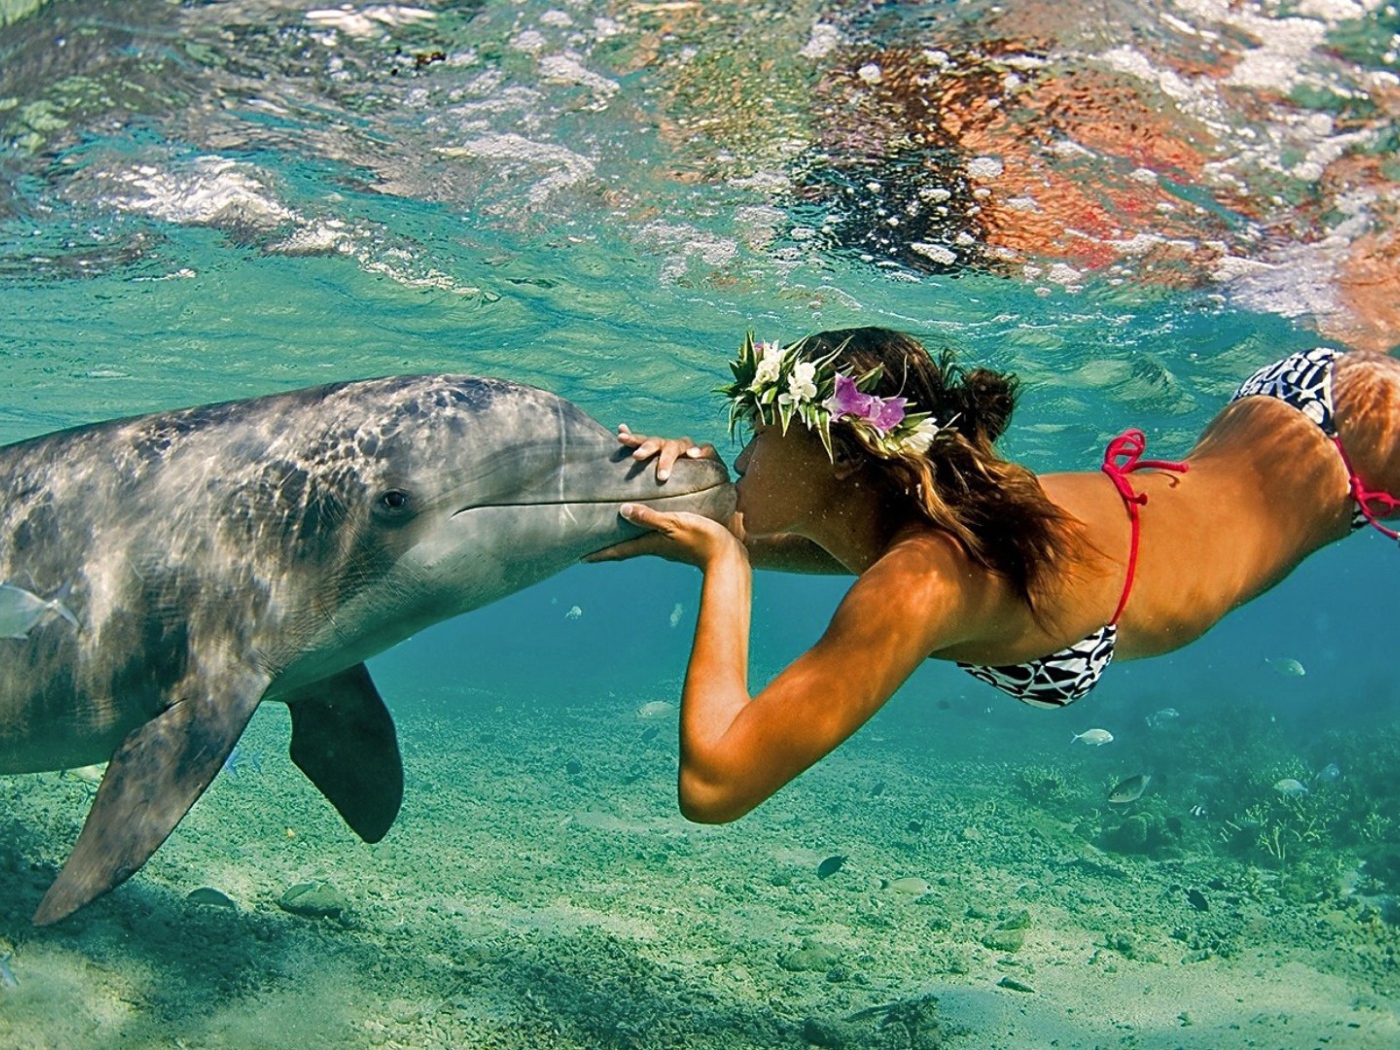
x=871, y=457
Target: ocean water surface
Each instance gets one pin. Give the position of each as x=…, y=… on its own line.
x=1132, y=205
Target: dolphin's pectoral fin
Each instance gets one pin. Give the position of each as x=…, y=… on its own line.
x=343, y=739
x=151, y=782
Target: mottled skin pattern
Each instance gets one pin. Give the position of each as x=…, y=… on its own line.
x=224, y=555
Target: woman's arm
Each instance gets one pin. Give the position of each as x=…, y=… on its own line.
x=737, y=750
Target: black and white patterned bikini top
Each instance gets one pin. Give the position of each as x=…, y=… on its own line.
x=1055, y=680
x=1068, y=674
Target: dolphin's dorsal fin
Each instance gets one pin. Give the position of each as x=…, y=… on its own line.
x=152, y=780
x=343, y=739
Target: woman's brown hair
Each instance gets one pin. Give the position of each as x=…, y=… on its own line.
x=995, y=508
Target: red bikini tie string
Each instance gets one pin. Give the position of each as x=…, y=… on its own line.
x=1363, y=495
x=1129, y=447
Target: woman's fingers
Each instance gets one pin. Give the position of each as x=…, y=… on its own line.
x=654, y=541
x=682, y=536
x=665, y=450
x=641, y=514
x=628, y=438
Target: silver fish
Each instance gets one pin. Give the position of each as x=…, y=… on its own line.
x=1129, y=790
x=1093, y=737
x=1291, y=787
x=21, y=610
x=910, y=884
x=1329, y=773
x=7, y=976
x=1286, y=666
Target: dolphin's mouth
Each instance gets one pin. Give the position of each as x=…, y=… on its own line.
x=659, y=497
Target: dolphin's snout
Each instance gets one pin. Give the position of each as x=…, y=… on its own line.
x=691, y=475
x=717, y=502
x=701, y=486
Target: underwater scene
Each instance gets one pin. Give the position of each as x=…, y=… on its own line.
x=1132, y=205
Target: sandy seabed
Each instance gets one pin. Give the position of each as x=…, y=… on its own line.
x=540, y=890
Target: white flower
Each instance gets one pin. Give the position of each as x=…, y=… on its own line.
x=801, y=386
x=770, y=366
x=920, y=438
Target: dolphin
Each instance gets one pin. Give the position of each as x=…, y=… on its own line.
x=216, y=557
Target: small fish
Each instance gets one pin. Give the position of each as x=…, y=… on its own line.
x=676, y=615
x=910, y=884
x=21, y=610
x=1329, y=774
x=1011, y=984
x=1093, y=737
x=653, y=709
x=830, y=866
x=574, y=613
x=1163, y=718
x=1129, y=790
x=1197, y=810
x=1290, y=787
x=208, y=895
x=7, y=976
x=1286, y=666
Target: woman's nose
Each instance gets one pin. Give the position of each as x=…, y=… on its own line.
x=742, y=463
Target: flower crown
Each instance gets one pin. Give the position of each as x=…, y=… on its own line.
x=772, y=384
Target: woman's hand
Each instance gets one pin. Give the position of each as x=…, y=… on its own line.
x=666, y=450
x=690, y=538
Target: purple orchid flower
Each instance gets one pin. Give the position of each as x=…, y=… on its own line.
x=882, y=413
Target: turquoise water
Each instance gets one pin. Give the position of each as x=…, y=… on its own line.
x=1132, y=205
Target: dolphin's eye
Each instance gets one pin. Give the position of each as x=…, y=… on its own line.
x=394, y=502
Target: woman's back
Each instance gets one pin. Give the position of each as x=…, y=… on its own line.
x=1266, y=487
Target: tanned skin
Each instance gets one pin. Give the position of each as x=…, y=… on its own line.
x=1265, y=489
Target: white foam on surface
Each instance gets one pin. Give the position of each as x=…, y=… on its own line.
x=984, y=168
x=936, y=252
x=1279, y=63
x=214, y=191
x=683, y=244
x=1296, y=281
x=1130, y=60
x=565, y=167
x=568, y=69
x=367, y=21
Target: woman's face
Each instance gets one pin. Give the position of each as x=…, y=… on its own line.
x=781, y=479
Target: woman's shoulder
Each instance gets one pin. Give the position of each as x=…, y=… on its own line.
x=926, y=581
x=920, y=547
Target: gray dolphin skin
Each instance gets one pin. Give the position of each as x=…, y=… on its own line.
x=217, y=557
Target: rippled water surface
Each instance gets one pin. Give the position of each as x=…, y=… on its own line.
x=1131, y=204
